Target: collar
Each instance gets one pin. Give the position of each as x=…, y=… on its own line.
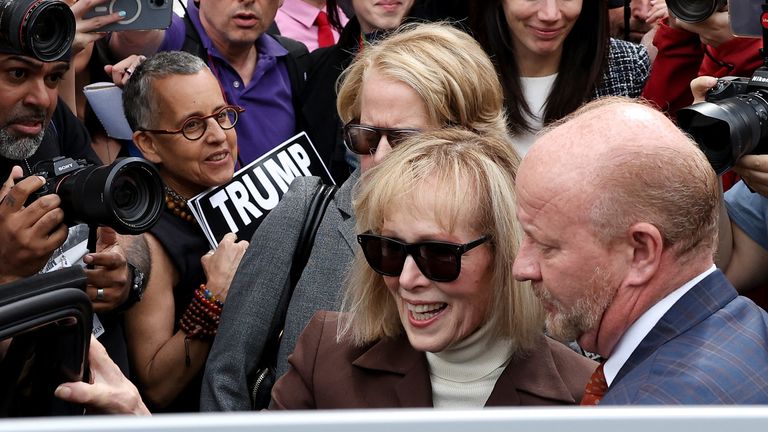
x=534, y=373
x=301, y=11
x=640, y=328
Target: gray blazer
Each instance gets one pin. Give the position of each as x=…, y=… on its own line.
x=262, y=276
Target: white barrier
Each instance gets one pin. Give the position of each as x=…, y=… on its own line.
x=573, y=419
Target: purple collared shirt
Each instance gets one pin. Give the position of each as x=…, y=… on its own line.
x=269, y=118
x=296, y=20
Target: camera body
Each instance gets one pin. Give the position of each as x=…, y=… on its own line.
x=43, y=29
x=126, y=195
x=139, y=14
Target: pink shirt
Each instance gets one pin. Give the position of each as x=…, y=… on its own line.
x=296, y=20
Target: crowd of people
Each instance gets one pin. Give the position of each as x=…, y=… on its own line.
x=518, y=219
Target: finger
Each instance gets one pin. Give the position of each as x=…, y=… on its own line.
x=700, y=86
x=80, y=8
x=94, y=24
x=106, y=237
x=753, y=162
x=81, y=393
x=16, y=172
x=19, y=193
x=108, y=259
x=44, y=217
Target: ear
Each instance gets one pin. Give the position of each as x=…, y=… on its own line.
x=146, y=146
x=647, y=246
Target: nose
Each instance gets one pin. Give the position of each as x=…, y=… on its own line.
x=641, y=9
x=382, y=150
x=411, y=277
x=549, y=10
x=39, y=94
x=525, y=267
x=214, y=134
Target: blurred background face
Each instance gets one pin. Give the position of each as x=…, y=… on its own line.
x=538, y=28
x=436, y=315
x=237, y=22
x=189, y=166
x=388, y=103
x=638, y=27
x=380, y=14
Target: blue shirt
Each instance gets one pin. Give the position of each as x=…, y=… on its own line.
x=269, y=118
x=749, y=211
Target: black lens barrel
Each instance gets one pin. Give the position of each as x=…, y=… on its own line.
x=126, y=196
x=694, y=11
x=43, y=29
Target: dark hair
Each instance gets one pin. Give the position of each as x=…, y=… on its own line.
x=585, y=58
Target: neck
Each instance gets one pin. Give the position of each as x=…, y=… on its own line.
x=241, y=56
x=631, y=302
x=320, y=4
x=532, y=65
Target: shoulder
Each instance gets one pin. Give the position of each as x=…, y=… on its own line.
x=71, y=135
x=722, y=359
x=627, y=71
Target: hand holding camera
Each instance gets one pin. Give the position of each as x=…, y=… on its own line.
x=30, y=234
x=89, y=30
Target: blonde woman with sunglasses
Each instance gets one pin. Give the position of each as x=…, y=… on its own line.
x=422, y=77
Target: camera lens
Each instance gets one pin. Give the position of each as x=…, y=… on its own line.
x=126, y=196
x=694, y=11
x=728, y=129
x=43, y=29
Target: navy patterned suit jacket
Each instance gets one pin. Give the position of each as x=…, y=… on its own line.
x=711, y=347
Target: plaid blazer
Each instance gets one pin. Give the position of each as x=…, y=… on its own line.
x=711, y=347
x=627, y=71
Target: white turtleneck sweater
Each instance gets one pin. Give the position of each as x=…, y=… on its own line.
x=463, y=376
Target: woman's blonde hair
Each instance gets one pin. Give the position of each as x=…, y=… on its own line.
x=475, y=177
x=445, y=66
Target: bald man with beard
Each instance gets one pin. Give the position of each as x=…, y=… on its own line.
x=620, y=222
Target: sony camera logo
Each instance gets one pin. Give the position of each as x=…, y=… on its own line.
x=65, y=167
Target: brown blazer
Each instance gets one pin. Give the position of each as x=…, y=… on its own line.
x=324, y=374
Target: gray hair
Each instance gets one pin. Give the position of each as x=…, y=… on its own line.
x=138, y=100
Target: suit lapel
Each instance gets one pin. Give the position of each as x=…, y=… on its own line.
x=344, y=204
x=705, y=298
x=535, y=374
x=409, y=367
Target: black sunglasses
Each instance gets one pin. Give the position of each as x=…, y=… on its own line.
x=363, y=139
x=438, y=261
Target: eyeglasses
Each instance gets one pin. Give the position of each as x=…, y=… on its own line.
x=363, y=139
x=438, y=261
x=194, y=127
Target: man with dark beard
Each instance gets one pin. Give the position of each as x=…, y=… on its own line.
x=34, y=127
x=620, y=222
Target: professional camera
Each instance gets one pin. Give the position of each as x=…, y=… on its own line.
x=139, y=14
x=732, y=122
x=126, y=196
x=43, y=29
x=693, y=11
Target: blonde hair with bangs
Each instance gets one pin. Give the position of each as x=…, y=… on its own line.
x=445, y=66
x=475, y=174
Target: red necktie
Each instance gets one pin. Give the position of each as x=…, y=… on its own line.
x=596, y=387
x=324, y=32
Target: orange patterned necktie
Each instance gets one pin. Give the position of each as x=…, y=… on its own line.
x=596, y=387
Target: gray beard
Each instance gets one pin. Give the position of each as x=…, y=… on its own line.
x=12, y=147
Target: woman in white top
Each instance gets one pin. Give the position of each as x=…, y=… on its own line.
x=554, y=55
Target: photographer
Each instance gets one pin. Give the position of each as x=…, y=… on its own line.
x=35, y=126
x=687, y=50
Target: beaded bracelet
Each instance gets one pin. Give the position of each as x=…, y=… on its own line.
x=201, y=318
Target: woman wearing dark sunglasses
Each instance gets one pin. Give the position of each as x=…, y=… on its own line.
x=432, y=313
x=421, y=77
